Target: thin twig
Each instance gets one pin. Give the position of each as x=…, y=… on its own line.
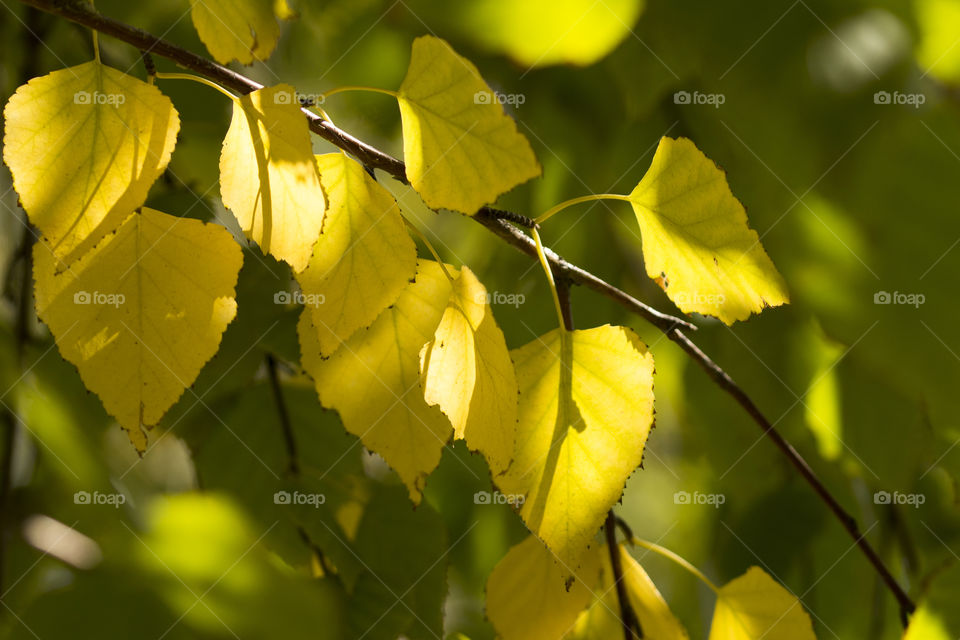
x=293, y=459
x=79, y=12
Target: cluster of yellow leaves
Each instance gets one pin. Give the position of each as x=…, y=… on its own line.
x=527, y=600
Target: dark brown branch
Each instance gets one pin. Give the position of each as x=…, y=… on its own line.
x=79, y=12
x=293, y=460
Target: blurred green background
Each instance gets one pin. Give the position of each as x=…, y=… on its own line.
x=838, y=124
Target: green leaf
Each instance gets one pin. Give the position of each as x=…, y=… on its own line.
x=84, y=145
x=586, y=408
x=696, y=242
x=538, y=33
x=527, y=596
x=141, y=313
x=373, y=379
x=755, y=606
x=363, y=259
x=602, y=619
x=269, y=176
x=404, y=553
x=242, y=30
x=466, y=370
x=461, y=150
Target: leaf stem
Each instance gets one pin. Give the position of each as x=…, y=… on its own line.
x=354, y=87
x=549, y=213
x=426, y=242
x=189, y=76
x=670, y=555
x=553, y=285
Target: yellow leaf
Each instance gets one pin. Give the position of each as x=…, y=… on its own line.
x=602, y=620
x=527, y=597
x=461, y=150
x=537, y=33
x=373, y=379
x=696, y=242
x=84, y=144
x=586, y=407
x=242, y=30
x=141, y=312
x=466, y=370
x=936, y=51
x=364, y=256
x=269, y=177
x=755, y=606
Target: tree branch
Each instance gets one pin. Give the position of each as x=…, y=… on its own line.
x=293, y=460
x=80, y=12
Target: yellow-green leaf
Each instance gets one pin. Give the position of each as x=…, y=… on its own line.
x=373, y=379
x=364, y=256
x=269, y=177
x=586, y=407
x=696, y=242
x=242, y=30
x=537, y=33
x=937, y=51
x=84, y=144
x=466, y=371
x=527, y=597
x=141, y=312
x=755, y=606
x=602, y=620
x=461, y=150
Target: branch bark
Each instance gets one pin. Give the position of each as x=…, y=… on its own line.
x=495, y=220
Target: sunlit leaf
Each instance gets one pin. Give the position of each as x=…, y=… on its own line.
x=696, y=242
x=269, y=177
x=466, y=371
x=373, y=379
x=84, y=144
x=537, y=33
x=586, y=407
x=937, y=51
x=364, y=256
x=937, y=617
x=527, y=596
x=141, y=313
x=242, y=30
x=602, y=619
x=461, y=150
x=755, y=606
